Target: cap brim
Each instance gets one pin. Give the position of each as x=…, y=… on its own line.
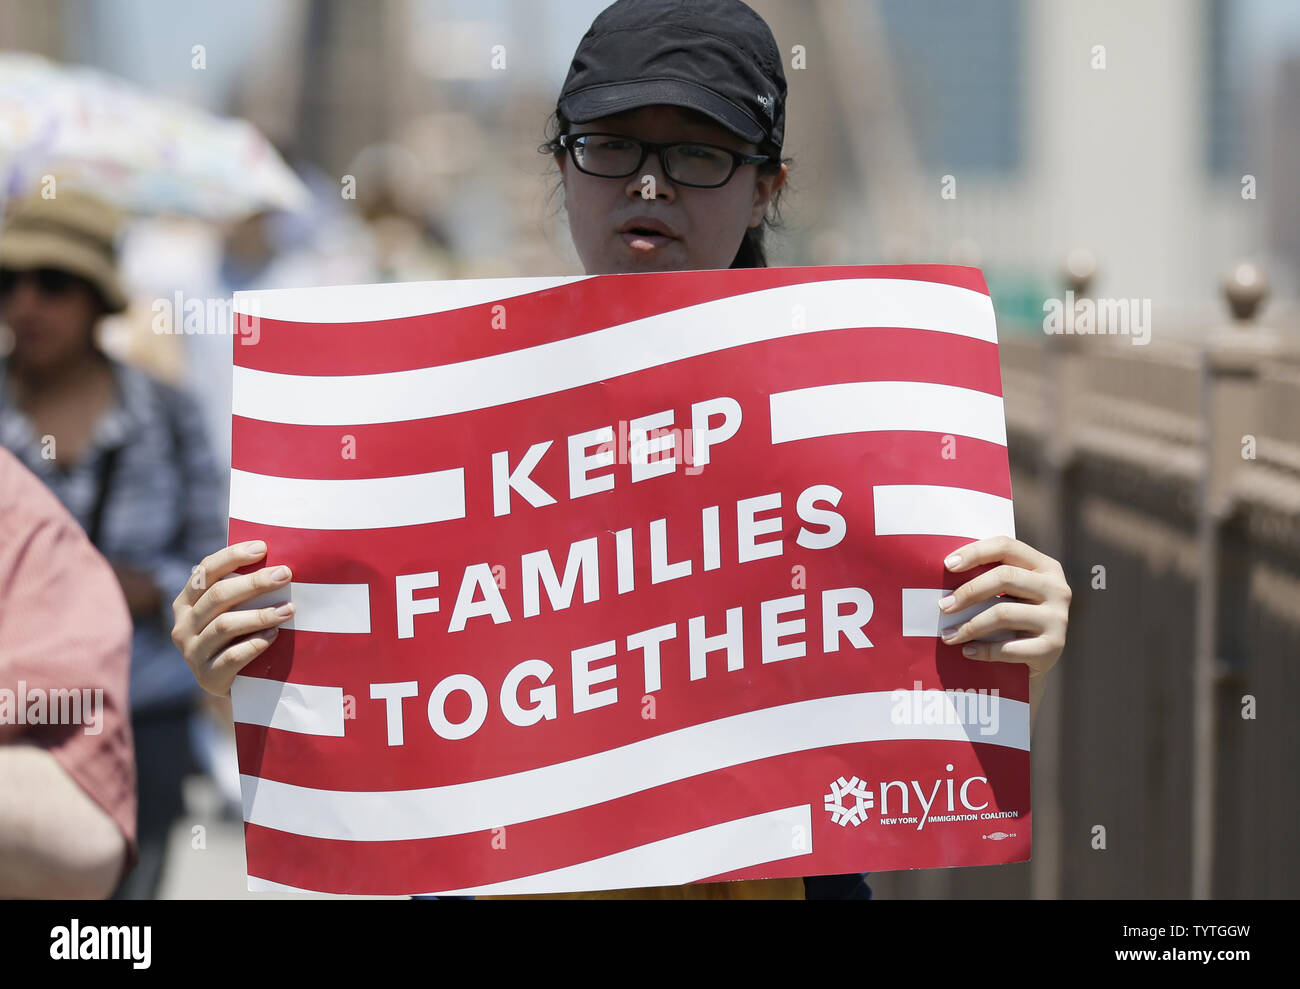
x=604, y=101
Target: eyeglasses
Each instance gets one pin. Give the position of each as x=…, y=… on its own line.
x=613, y=156
x=50, y=281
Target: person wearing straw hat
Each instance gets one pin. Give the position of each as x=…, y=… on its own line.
x=125, y=455
x=668, y=135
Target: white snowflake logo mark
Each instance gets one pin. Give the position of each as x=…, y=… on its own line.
x=844, y=815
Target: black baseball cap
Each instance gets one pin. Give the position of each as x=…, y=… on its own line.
x=715, y=56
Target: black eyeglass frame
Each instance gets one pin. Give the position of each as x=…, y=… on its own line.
x=738, y=158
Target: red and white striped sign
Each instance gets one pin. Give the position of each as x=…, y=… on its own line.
x=622, y=580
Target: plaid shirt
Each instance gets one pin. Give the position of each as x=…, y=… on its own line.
x=165, y=510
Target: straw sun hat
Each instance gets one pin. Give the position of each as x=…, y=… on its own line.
x=73, y=232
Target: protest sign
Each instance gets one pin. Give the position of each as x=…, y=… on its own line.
x=622, y=580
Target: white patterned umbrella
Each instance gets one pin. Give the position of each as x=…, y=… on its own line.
x=144, y=152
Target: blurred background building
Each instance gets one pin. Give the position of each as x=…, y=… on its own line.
x=1124, y=129
x=1155, y=144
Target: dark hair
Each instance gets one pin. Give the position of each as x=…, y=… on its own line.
x=752, y=252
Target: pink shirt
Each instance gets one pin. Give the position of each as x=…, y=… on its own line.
x=64, y=628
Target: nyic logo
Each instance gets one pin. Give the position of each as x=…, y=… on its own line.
x=862, y=799
x=850, y=801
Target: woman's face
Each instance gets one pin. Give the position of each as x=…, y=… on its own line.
x=52, y=326
x=707, y=224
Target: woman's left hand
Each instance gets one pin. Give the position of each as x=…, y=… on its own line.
x=1036, y=606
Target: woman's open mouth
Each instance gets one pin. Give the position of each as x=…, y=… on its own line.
x=645, y=238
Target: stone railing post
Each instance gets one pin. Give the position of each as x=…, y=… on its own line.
x=1232, y=360
x=1063, y=401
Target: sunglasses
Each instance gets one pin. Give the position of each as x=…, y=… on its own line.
x=49, y=281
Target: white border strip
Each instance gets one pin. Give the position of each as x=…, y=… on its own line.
x=674, y=861
x=871, y=406
x=368, y=303
x=340, y=608
x=353, y=503
x=256, y=884
x=922, y=617
x=463, y=808
x=296, y=707
x=545, y=369
x=938, y=510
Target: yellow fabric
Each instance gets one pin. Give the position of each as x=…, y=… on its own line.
x=747, y=889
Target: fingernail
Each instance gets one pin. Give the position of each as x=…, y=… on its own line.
x=256, y=548
x=946, y=603
x=968, y=650
x=272, y=634
x=952, y=561
x=280, y=573
x=285, y=610
x=948, y=633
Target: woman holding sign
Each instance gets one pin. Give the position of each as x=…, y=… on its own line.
x=668, y=136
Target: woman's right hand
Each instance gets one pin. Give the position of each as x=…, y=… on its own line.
x=217, y=642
